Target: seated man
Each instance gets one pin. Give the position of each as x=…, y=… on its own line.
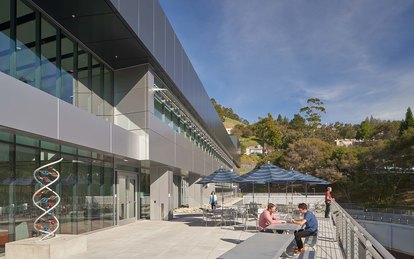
x=268, y=217
x=311, y=226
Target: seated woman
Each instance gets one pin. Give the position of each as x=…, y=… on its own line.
x=268, y=217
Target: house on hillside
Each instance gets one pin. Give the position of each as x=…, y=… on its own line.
x=254, y=150
x=348, y=142
x=229, y=130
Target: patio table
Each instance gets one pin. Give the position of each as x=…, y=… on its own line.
x=287, y=227
x=261, y=245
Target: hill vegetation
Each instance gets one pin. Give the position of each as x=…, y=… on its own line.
x=378, y=169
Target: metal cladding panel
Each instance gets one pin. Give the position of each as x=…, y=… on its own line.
x=116, y=3
x=183, y=152
x=169, y=48
x=128, y=144
x=146, y=23
x=26, y=108
x=159, y=34
x=130, y=10
x=178, y=64
x=161, y=149
x=78, y=126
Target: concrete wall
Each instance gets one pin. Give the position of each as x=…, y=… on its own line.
x=392, y=236
x=161, y=194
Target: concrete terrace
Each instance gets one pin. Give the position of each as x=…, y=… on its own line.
x=186, y=236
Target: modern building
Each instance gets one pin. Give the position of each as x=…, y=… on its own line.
x=107, y=86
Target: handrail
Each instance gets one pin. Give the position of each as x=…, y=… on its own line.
x=350, y=234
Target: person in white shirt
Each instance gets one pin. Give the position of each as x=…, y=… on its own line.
x=213, y=200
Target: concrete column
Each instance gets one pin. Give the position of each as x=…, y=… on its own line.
x=161, y=197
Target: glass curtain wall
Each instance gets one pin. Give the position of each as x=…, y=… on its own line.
x=174, y=118
x=144, y=193
x=35, y=51
x=86, y=187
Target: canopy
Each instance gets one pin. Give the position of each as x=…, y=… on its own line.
x=221, y=176
x=269, y=173
x=307, y=178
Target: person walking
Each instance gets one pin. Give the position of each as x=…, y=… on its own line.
x=328, y=200
x=213, y=200
x=311, y=226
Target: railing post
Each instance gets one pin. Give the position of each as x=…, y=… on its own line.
x=356, y=243
x=348, y=240
x=367, y=252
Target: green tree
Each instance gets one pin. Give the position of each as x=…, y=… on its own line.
x=313, y=111
x=408, y=122
x=311, y=155
x=298, y=122
x=279, y=119
x=364, y=130
x=268, y=131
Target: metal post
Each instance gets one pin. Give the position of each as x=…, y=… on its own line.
x=367, y=252
x=356, y=243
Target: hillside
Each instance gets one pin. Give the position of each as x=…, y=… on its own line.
x=230, y=123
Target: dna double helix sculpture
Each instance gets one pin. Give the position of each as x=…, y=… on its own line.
x=46, y=200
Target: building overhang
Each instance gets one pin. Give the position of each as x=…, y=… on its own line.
x=97, y=25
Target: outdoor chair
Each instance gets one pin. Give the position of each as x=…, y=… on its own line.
x=228, y=215
x=209, y=216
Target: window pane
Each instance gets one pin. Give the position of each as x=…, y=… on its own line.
x=68, y=82
x=6, y=192
x=108, y=95
x=68, y=206
x=83, y=195
x=97, y=89
x=26, y=163
x=83, y=93
x=26, y=59
x=5, y=50
x=48, y=58
x=27, y=141
x=144, y=194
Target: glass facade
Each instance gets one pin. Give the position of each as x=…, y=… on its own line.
x=38, y=53
x=86, y=187
x=180, y=123
x=144, y=194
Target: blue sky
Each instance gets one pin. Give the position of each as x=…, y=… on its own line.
x=260, y=56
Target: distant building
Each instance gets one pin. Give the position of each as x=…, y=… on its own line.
x=254, y=150
x=348, y=142
x=229, y=130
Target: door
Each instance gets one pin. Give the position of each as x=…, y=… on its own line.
x=127, y=197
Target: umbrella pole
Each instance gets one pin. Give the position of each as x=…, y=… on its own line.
x=268, y=193
x=306, y=193
x=286, y=194
x=253, y=192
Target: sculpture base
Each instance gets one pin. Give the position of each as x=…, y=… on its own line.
x=59, y=247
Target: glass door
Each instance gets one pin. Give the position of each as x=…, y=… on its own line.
x=127, y=197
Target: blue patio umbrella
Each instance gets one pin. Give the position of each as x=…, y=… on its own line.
x=267, y=174
x=309, y=179
x=221, y=175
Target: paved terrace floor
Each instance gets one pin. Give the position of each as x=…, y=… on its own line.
x=185, y=237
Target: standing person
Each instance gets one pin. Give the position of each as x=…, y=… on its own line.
x=213, y=200
x=328, y=200
x=268, y=217
x=311, y=226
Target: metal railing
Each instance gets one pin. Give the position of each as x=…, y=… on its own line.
x=356, y=242
x=401, y=215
